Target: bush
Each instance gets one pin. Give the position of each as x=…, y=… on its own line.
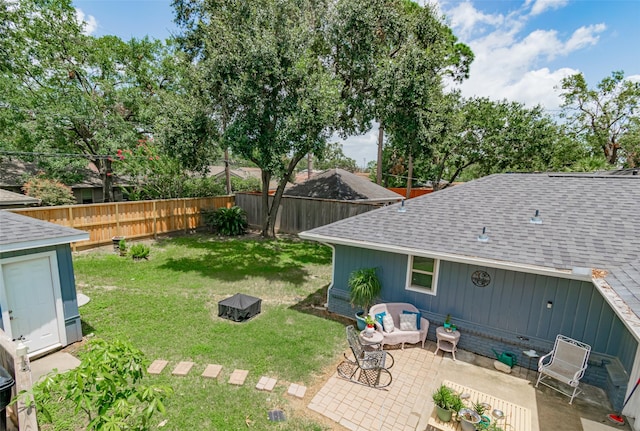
x=50, y=192
x=250, y=184
x=139, y=251
x=226, y=221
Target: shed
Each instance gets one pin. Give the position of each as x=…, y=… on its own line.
x=15, y=200
x=38, y=300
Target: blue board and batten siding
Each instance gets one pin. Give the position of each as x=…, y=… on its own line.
x=510, y=313
x=67, y=286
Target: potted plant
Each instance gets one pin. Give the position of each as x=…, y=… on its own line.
x=122, y=246
x=447, y=323
x=468, y=419
x=480, y=408
x=371, y=325
x=364, y=289
x=446, y=402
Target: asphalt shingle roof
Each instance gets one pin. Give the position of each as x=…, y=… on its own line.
x=341, y=185
x=18, y=231
x=588, y=221
x=11, y=198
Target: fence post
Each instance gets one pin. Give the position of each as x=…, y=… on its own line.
x=184, y=214
x=155, y=220
x=71, y=224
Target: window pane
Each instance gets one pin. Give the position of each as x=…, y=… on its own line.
x=422, y=280
x=423, y=264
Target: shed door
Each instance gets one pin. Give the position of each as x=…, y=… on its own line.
x=31, y=306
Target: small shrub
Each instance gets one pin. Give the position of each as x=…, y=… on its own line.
x=226, y=221
x=50, y=192
x=139, y=251
x=122, y=246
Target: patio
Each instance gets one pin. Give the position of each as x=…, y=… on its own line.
x=407, y=404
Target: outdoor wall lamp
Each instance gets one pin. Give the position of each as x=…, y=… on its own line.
x=549, y=304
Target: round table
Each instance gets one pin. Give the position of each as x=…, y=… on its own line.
x=447, y=341
x=375, y=340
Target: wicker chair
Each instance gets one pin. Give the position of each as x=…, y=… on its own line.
x=566, y=363
x=368, y=367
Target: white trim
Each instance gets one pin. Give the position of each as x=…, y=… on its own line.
x=24, y=245
x=492, y=263
x=57, y=293
x=619, y=306
x=434, y=277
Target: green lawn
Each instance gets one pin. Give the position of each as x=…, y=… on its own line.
x=168, y=307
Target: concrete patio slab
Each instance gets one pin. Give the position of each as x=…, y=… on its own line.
x=407, y=404
x=238, y=377
x=212, y=371
x=61, y=361
x=183, y=368
x=157, y=366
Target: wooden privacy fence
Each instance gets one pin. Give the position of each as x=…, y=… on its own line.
x=138, y=219
x=298, y=214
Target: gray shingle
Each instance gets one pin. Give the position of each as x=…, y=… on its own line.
x=17, y=229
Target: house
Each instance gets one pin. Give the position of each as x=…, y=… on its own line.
x=338, y=184
x=13, y=173
x=38, y=298
x=16, y=200
x=515, y=259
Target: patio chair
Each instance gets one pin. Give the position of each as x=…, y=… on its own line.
x=368, y=366
x=566, y=363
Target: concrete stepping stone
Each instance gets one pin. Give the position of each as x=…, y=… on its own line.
x=266, y=384
x=182, y=369
x=296, y=390
x=238, y=377
x=157, y=366
x=212, y=371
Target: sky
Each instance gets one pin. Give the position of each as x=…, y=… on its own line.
x=523, y=48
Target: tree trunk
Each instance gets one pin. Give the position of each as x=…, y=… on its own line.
x=379, y=162
x=227, y=171
x=106, y=174
x=266, y=178
x=409, y=176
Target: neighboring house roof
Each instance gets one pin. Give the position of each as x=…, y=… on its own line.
x=18, y=232
x=339, y=184
x=588, y=221
x=625, y=171
x=8, y=198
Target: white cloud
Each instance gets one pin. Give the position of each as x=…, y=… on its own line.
x=361, y=147
x=510, y=63
x=583, y=37
x=633, y=78
x=540, y=6
x=88, y=22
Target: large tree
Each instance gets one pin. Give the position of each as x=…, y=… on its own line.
x=70, y=93
x=602, y=116
x=265, y=78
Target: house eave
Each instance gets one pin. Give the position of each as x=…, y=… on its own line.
x=630, y=319
x=48, y=242
x=471, y=260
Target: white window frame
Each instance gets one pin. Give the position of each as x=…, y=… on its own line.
x=434, y=276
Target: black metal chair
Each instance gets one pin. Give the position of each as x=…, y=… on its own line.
x=369, y=367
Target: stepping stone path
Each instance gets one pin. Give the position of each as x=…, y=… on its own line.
x=238, y=377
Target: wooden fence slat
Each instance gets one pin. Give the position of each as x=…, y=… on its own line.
x=138, y=219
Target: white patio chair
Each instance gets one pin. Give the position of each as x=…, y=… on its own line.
x=566, y=363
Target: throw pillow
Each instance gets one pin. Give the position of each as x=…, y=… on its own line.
x=378, y=317
x=417, y=314
x=408, y=322
x=387, y=323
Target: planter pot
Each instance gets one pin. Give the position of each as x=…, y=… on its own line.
x=443, y=414
x=116, y=242
x=360, y=319
x=468, y=419
x=369, y=330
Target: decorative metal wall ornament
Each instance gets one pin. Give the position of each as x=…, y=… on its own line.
x=481, y=278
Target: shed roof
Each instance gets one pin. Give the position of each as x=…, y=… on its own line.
x=10, y=198
x=18, y=232
x=342, y=185
x=588, y=221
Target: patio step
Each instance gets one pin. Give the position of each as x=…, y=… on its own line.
x=237, y=377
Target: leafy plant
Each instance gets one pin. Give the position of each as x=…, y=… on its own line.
x=106, y=387
x=369, y=320
x=445, y=398
x=365, y=287
x=122, y=246
x=50, y=192
x=139, y=251
x=226, y=221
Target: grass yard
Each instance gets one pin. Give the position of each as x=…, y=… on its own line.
x=168, y=307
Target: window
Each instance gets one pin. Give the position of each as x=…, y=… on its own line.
x=422, y=274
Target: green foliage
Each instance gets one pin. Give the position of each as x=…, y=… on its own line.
x=250, y=184
x=139, y=251
x=445, y=398
x=203, y=187
x=122, y=245
x=601, y=117
x=364, y=287
x=107, y=387
x=50, y=192
x=226, y=221
x=333, y=157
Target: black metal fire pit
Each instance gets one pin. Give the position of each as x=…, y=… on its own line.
x=239, y=307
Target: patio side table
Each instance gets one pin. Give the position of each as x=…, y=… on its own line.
x=374, y=341
x=531, y=354
x=447, y=341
